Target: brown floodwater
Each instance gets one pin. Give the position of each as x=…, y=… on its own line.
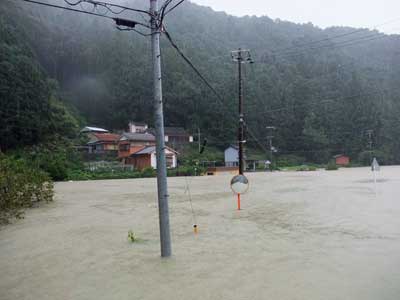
x=300, y=235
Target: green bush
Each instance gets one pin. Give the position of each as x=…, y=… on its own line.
x=306, y=168
x=365, y=158
x=100, y=175
x=331, y=166
x=20, y=187
x=186, y=171
x=290, y=160
x=148, y=172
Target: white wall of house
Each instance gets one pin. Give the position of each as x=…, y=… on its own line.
x=231, y=157
x=153, y=159
x=134, y=128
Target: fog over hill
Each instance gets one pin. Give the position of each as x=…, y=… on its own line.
x=322, y=89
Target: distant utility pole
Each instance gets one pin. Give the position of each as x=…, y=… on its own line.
x=241, y=57
x=199, y=138
x=370, y=132
x=165, y=236
x=269, y=138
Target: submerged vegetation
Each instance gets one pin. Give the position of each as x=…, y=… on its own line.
x=21, y=186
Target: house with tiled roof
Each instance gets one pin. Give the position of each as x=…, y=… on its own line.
x=131, y=142
x=145, y=157
x=103, y=143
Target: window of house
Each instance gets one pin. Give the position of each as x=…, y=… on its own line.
x=124, y=147
x=169, y=160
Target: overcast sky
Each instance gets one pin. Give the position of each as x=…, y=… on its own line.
x=323, y=13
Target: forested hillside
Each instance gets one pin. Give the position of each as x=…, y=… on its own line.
x=321, y=89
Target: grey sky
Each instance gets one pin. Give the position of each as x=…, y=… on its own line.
x=323, y=13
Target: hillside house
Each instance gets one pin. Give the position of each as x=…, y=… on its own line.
x=342, y=160
x=89, y=129
x=145, y=157
x=101, y=143
x=175, y=137
x=231, y=155
x=130, y=143
x=137, y=127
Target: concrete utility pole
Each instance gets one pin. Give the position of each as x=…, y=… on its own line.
x=241, y=56
x=370, y=133
x=270, y=137
x=165, y=236
x=199, y=138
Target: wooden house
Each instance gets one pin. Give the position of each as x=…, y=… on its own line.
x=130, y=143
x=145, y=157
x=342, y=160
x=101, y=143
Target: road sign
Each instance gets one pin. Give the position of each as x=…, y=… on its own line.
x=375, y=166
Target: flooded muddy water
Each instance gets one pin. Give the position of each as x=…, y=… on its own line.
x=300, y=235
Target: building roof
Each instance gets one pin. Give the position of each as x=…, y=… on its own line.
x=236, y=147
x=106, y=137
x=146, y=150
x=93, y=129
x=137, y=123
x=136, y=136
x=339, y=155
x=175, y=131
x=172, y=131
x=149, y=150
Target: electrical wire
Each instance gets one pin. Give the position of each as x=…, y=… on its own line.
x=107, y=6
x=190, y=201
x=82, y=11
x=67, y=8
x=335, y=46
x=335, y=36
x=187, y=60
x=173, y=7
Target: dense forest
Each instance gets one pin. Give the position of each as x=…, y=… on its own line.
x=321, y=89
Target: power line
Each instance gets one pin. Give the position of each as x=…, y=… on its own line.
x=107, y=6
x=334, y=37
x=187, y=60
x=118, y=21
x=335, y=46
x=321, y=101
x=173, y=7
x=68, y=8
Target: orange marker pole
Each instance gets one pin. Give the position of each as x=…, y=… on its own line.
x=238, y=201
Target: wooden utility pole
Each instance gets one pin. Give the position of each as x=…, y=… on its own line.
x=241, y=56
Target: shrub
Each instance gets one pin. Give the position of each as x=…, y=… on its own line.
x=331, y=166
x=289, y=160
x=20, y=187
x=187, y=171
x=305, y=168
x=148, y=172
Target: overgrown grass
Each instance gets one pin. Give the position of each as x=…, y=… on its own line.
x=332, y=166
x=81, y=175
x=20, y=187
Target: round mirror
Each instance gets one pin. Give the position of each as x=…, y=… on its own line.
x=239, y=184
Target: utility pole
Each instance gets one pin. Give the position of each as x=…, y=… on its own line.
x=241, y=56
x=270, y=137
x=165, y=236
x=370, y=133
x=198, y=138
